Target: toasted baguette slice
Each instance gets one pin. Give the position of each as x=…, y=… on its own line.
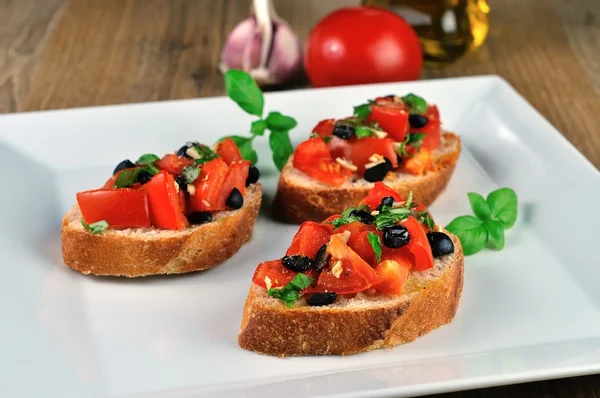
x=300, y=198
x=136, y=252
x=362, y=323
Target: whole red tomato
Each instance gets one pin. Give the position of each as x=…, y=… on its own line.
x=356, y=45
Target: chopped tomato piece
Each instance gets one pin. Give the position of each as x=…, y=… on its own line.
x=348, y=274
x=277, y=273
x=173, y=163
x=432, y=129
x=182, y=201
x=309, y=239
x=312, y=157
x=418, y=163
x=378, y=192
x=362, y=149
x=418, y=245
x=392, y=275
x=208, y=186
x=339, y=148
x=229, y=151
x=324, y=128
x=359, y=242
x=163, y=201
x=392, y=118
x=236, y=178
x=121, y=208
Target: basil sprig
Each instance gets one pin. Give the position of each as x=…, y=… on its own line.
x=417, y=105
x=375, y=244
x=415, y=141
x=492, y=217
x=128, y=177
x=347, y=217
x=205, y=154
x=242, y=89
x=363, y=111
x=96, y=227
x=290, y=293
x=146, y=159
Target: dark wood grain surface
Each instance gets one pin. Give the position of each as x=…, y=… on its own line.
x=72, y=53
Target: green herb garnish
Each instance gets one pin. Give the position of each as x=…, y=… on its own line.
x=415, y=141
x=290, y=293
x=128, y=177
x=363, y=131
x=95, y=227
x=146, y=159
x=416, y=104
x=391, y=217
x=242, y=89
x=190, y=173
x=492, y=217
x=363, y=111
x=346, y=217
x=205, y=154
x=375, y=244
x=327, y=139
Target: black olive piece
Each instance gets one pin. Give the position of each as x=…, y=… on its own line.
x=182, y=183
x=390, y=96
x=143, y=177
x=395, y=236
x=199, y=217
x=417, y=121
x=125, y=164
x=320, y=299
x=344, y=131
x=253, y=175
x=321, y=258
x=297, y=263
x=235, y=200
x=378, y=172
x=440, y=243
x=387, y=201
x=363, y=216
x=183, y=151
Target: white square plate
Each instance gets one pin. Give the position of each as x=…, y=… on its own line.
x=528, y=312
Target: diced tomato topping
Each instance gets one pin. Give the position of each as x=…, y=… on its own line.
x=173, y=163
x=356, y=275
x=392, y=118
x=339, y=148
x=208, y=186
x=229, y=151
x=236, y=178
x=432, y=129
x=120, y=208
x=277, y=273
x=380, y=191
x=418, y=163
x=392, y=275
x=418, y=245
x=324, y=128
x=359, y=242
x=362, y=149
x=309, y=239
x=182, y=201
x=163, y=201
x=312, y=157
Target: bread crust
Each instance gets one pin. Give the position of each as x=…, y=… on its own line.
x=269, y=327
x=296, y=203
x=159, y=252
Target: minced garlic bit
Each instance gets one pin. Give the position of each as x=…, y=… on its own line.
x=337, y=269
x=376, y=158
x=345, y=163
x=379, y=133
x=374, y=212
x=205, y=202
x=191, y=188
x=268, y=282
x=344, y=236
x=193, y=153
x=176, y=187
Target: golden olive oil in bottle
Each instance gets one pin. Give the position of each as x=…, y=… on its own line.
x=447, y=29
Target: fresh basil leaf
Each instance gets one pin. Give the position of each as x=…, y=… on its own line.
x=362, y=111
x=362, y=132
x=503, y=204
x=244, y=144
x=480, y=207
x=375, y=244
x=244, y=91
x=148, y=158
x=152, y=169
x=472, y=233
x=314, y=135
x=190, y=173
x=95, y=227
x=281, y=147
x=416, y=104
x=258, y=127
x=290, y=293
x=327, y=139
x=205, y=154
x=423, y=217
x=495, y=231
x=126, y=178
x=277, y=121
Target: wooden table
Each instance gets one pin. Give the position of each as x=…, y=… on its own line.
x=71, y=53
